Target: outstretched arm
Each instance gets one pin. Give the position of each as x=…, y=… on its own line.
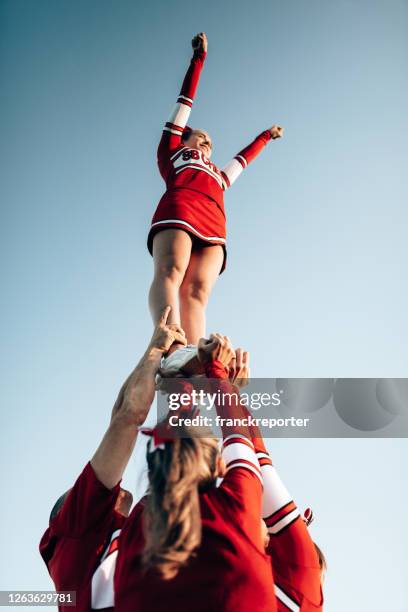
x=231, y=171
x=278, y=508
x=289, y=536
x=131, y=407
x=174, y=127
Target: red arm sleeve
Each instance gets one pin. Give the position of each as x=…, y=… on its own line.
x=243, y=475
x=233, y=169
x=177, y=121
x=89, y=505
x=290, y=541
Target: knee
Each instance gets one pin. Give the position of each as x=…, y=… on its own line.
x=169, y=270
x=198, y=291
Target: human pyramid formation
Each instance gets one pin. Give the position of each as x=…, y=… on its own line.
x=190, y=543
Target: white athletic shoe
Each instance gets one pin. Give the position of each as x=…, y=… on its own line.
x=178, y=360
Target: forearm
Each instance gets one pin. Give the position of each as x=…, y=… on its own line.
x=231, y=409
x=113, y=454
x=234, y=168
x=278, y=507
x=130, y=411
x=146, y=369
x=178, y=118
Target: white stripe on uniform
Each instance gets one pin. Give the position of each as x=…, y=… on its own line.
x=246, y=466
x=193, y=229
x=186, y=98
x=233, y=169
x=238, y=450
x=275, y=494
x=177, y=153
x=180, y=114
x=244, y=161
x=199, y=167
x=166, y=129
x=277, y=527
x=285, y=599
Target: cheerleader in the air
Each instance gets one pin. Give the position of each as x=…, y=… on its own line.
x=187, y=236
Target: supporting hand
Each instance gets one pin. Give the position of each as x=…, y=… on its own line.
x=239, y=368
x=165, y=334
x=216, y=348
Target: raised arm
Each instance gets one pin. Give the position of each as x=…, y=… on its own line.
x=238, y=450
x=289, y=536
x=132, y=406
x=231, y=171
x=174, y=127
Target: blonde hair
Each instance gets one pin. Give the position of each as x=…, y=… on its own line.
x=172, y=519
x=322, y=559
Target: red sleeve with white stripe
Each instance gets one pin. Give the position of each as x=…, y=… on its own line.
x=233, y=169
x=177, y=121
x=290, y=541
x=243, y=474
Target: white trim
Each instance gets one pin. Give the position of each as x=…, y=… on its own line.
x=102, y=591
x=186, y=98
x=237, y=435
x=284, y=521
x=177, y=153
x=262, y=456
x=214, y=176
x=275, y=494
x=179, y=221
x=285, y=599
x=243, y=159
x=114, y=535
x=239, y=450
x=247, y=466
x=232, y=170
x=166, y=129
x=180, y=114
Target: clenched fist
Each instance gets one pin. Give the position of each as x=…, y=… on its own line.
x=276, y=131
x=200, y=43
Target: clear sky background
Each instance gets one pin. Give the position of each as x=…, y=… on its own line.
x=317, y=249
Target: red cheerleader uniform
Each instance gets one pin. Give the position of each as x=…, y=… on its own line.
x=80, y=545
x=194, y=200
x=230, y=571
x=295, y=563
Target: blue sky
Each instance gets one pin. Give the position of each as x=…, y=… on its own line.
x=317, y=245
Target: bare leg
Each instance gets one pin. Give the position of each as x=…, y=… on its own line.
x=202, y=272
x=171, y=254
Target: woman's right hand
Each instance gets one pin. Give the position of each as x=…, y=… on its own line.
x=276, y=132
x=216, y=348
x=200, y=43
x=165, y=334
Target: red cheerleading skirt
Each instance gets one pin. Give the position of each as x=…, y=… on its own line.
x=195, y=213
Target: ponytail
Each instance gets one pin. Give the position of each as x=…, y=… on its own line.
x=172, y=519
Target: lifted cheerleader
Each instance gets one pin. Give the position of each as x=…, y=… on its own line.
x=187, y=236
